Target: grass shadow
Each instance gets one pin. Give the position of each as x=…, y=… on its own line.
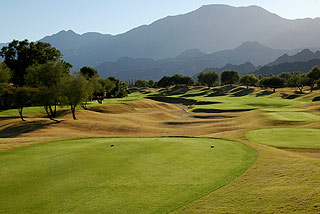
x=223, y=91
x=264, y=93
x=174, y=100
x=195, y=95
x=199, y=110
x=289, y=96
x=23, y=128
x=243, y=92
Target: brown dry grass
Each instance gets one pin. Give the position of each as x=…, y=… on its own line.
x=281, y=181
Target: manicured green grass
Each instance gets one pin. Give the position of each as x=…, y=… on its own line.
x=229, y=102
x=248, y=102
x=137, y=175
x=293, y=116
x=287, y=137
x=26, y=110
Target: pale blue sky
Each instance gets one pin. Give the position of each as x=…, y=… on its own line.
x=34, y=19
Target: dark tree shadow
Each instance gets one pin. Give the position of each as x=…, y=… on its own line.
x=23, y=128
x=264, y=93
x=223, y=91
x=243, y=92
x=174, y=100
x=206, y=103
x=195, y=95
x=212, y=116
x=289, y=96
x=316, y=99
x=199, y=110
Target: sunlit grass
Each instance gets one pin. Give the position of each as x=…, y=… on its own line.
x=287, y=137
x=137, y=175
x=293, y=116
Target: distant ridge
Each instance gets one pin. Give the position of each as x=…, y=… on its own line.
x=244, y=58
x=244, y=68
x=303, y=56
x=301, y=67
x=65, y=40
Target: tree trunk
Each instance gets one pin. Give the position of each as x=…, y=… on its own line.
x=73, y=110
x=51, y=111
x=20, y=113
x=46, y=108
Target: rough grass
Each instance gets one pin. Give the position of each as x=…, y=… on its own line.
x=137, y=175
x=280, y=181
x=287, y=137
x=293, y=116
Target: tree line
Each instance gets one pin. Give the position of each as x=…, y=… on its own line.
x=34, y=74
x=230, y=77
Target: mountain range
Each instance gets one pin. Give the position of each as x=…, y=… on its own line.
x=180, y=43
x=209, y=29
x=248, y=55
x=301, y=62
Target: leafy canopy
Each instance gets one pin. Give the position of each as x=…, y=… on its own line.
x=208, y=78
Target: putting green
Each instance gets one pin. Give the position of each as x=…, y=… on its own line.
x=293, y=116
x=287, y=137
x=137, y=175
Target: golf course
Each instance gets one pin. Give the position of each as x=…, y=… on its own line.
x=178, y=150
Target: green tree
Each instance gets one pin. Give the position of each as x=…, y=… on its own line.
x=151, y=83
x=48, y=78
x=20, y=97
x=314, y=75
x=19, y=55
x=273, y=82
x=208, y=78
x=106, y=86
x=248, y=80
x=5, y=75
x=165, y=82
x=120, y=90
x=140, y=83
x=230, y=77
x=88, y=72
x=75, y=92
x=180, y=79
x=299, y=81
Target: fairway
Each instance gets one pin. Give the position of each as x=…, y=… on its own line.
x=293, y=116
x=136, y=175
x=287, y=137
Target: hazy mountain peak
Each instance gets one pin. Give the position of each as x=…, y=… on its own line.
x=252, y=45
x=305, y=52
x=302, y=56
x=190, y=53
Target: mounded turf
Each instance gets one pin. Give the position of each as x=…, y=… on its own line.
x=137, y=175
x=287, y=137
x=293, y=116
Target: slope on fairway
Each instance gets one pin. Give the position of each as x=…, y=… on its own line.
x=137, y=175
x=293, y=116
x=287, y=137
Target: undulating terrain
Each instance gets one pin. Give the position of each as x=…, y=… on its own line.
x=182, y=150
